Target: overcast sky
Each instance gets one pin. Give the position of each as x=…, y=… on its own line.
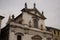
x=51, y=10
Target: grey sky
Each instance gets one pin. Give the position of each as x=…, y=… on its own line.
x=51, y=9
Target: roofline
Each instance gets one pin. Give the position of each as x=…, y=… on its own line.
x=18, y=16
x=53, y=28
x=26, y=10
x=5, y=27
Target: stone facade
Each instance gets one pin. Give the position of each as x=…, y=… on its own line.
x=55, y=32
x=29, y=25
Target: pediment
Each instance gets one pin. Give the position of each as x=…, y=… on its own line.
x=36, y=37
x=34, y=12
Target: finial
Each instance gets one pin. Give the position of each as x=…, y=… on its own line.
x=34, y=5
x=25, y=5
x=13, y=16
x=42, y=12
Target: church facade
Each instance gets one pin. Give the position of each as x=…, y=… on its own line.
x=29, y=25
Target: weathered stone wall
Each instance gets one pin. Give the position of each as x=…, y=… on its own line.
x=27, y=33
x=28, y=17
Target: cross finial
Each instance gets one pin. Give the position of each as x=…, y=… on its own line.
x=25, y=5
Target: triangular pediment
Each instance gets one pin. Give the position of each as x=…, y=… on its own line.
x=34, y=12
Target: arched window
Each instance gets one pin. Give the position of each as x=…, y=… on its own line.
x=18, y=37
x=35, y=23
x=54, y=32
x=36, y=37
